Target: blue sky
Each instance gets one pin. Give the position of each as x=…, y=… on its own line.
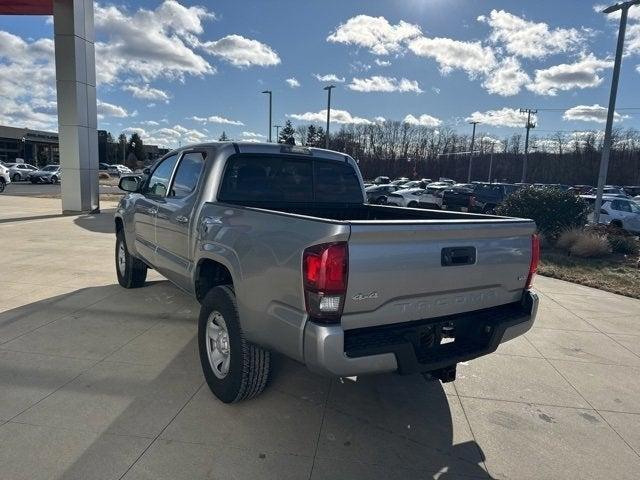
x=179, y=72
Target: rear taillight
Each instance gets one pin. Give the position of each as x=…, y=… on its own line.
x=535, y=259
x=325, y=271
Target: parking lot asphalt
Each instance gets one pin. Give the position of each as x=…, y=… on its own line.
x=98, y=382
x=28, y=189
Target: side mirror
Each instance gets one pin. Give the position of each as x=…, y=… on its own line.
x=130, y=183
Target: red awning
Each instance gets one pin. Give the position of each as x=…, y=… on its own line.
x=26, y=7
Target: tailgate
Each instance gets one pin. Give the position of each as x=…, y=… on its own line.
x=400, y=272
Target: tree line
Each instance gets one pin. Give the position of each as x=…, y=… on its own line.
x=398, y=149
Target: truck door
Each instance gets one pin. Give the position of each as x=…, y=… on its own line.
x=174, y=220
x=146, y=208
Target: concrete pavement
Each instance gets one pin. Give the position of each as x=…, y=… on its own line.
x=98, y=382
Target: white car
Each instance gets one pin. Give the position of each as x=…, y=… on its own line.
x=407, y=197
x=117, y=170
x=620, y=212
x=5, y=178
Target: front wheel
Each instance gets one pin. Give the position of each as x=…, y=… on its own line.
x=234, y=368
x=381, y=201
x=131, y=272
x=2, y=185
x=54, y=179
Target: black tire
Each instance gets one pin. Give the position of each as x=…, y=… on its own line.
x=413, y=205
x=54, y=179
x=489, y=210
x=381, y=200
x=134, y=272
x=616, y=223
x=16, y=178
x=2, y=184
x=249, y=364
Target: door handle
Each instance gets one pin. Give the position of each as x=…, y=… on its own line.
x=181, y=219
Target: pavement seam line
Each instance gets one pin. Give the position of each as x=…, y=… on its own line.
x=324, y=414
x=155, y=439
x=473, y=435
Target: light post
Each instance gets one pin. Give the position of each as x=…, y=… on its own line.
x=328, y=88
x=606, y=149
x=278, y=127
x=270, y=109
x=473, y=141
x=24, y=148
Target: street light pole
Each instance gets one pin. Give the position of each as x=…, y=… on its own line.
x=473, y=141
x=529, y=126
x=278, y=127
x=328, y=88
x=270, y=109
x=606, y=149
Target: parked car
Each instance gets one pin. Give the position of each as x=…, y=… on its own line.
x=5, y=178
x=117, y=170
x=612, y=191
x=21, y=171
x=48, y=174
x=432, y=199
x=382, y=180
x=415, y=184
x=398, y=182
x=406, y=197
x=632, y=190
x=482, y=198
x=377, y=194
x=279, y=247
x=103, y=166
x=620, y=212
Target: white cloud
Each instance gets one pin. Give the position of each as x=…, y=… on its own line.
x=292, y=82
x=242, y=52
x=146, y=92
x=472, y=57
x=380, y=119
x=337, y=116
x=424, y=120
x=379, y=83
x=253, y=135
x=529, y=39
x=149, y=123
x=435, y=90
x=330, y=77
x=216, y=119
x=582, y=74
x=506, y=117
x=375, y=34
x=382, y=63
x=507, y=78
x=590, y=113
x=110, y=110
x=150, y=43
x=169, y=136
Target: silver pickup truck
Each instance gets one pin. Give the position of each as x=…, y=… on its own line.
x=281, y=250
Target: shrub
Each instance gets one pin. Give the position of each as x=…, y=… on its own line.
x=552, y=209
x=590, y=245
x=568, y=238
x=626, y=245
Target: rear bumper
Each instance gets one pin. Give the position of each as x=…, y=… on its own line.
x=409, y=347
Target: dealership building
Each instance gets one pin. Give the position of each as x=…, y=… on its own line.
x=34, y=146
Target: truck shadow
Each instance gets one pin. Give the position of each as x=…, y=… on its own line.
x=99, y=222
x=146, y=400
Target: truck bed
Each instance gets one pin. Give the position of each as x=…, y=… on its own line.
x=368, y=213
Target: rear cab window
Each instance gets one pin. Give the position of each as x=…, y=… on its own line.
x=257, y=179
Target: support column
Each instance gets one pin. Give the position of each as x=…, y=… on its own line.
x=77, y=112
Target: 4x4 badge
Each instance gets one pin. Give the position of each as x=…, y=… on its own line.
x=361, y=296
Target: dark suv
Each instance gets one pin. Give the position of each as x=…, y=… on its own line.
x=479, y=198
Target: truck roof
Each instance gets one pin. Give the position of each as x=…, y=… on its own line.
x=268, y=148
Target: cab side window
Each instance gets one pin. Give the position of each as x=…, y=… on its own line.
x=158, y=184
x=187, y=175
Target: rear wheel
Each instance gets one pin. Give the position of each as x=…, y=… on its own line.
x=381, y=200
x=2, y=184
x=489, y=210
x=131, y=272
x=234, y=368
x=16, y=177
x=413, y=205
x=54, y=179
